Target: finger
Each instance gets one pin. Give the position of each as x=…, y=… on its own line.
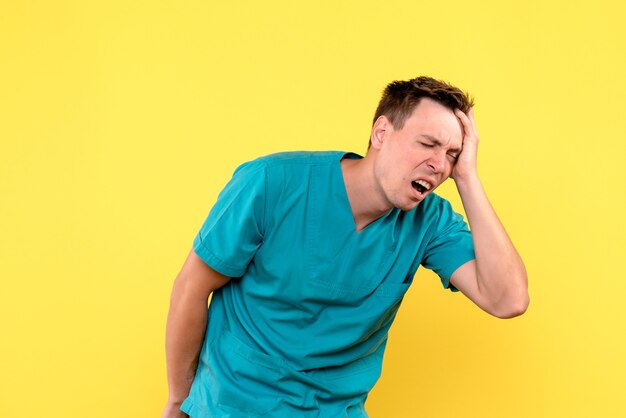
x=470, y=115
x=461, y=115
x=467, y=127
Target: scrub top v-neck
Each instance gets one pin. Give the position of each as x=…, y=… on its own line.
x=302, y=328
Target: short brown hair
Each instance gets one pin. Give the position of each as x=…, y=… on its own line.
x=400, y=98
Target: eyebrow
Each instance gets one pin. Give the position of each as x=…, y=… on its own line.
x=438, y=142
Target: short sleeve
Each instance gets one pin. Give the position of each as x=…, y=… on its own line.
x=450, y=245
x=233, y=230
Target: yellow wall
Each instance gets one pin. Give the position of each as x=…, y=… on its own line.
x=120, y=122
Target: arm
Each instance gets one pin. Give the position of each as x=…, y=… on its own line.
x=496, y=280
x=186, y=325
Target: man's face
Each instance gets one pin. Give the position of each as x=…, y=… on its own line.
x=411, y=162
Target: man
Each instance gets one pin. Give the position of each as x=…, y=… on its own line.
x=321, y=248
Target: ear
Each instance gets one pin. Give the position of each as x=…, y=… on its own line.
x=380, y=131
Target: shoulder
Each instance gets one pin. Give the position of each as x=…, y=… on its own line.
x=287, y=172
x=289, y=166
x=441, y=216
x=431, y=216
x=298, y=158
x=432, y=207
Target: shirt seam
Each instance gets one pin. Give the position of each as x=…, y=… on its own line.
x=220, y=264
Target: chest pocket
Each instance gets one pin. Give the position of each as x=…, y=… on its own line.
x=343, y=267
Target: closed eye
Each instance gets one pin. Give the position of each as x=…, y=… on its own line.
x=427, y=145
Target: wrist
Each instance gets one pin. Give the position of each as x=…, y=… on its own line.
x=175, y=401
x=467, y=181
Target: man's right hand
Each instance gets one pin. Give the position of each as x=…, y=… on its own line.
x=186, y=325
x=172, y=410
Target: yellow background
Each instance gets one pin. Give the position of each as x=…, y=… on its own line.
x=121, y=121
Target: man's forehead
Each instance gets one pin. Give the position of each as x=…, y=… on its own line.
x=436, y=120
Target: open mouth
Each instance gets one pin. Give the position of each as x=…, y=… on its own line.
x=421, y=186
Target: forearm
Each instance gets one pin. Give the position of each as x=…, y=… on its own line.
x=186, y=325
x=500, y=272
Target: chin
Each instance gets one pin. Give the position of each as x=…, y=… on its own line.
x=407, y=206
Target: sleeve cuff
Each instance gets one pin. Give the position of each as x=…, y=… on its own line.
x=215, y=262
x=446, y=273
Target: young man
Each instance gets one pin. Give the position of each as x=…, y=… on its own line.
x=321, y=248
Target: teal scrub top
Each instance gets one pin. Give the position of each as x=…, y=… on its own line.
x=301, y=328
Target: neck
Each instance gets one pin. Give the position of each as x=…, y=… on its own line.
x=366, y=200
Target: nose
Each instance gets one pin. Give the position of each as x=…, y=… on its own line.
x=437, y=162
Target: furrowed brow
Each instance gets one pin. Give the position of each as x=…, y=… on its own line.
x=439, y=143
